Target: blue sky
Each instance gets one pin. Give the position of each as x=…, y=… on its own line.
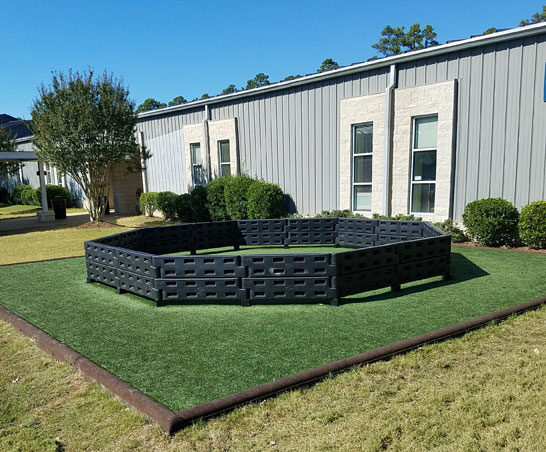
x=163, y=49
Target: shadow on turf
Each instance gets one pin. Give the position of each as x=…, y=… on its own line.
x=462, y=269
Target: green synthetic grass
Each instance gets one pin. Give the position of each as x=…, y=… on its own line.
x=185, y=355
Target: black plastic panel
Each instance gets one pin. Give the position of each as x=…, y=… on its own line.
x=280, y=265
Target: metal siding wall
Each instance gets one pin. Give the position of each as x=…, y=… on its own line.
x=291, y=137
x=501, y=138
x=163, y=137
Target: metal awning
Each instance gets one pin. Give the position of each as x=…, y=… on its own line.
x=17, y=156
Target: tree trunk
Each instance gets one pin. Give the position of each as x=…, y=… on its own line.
x=97, y=207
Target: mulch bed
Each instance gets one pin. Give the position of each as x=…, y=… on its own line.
x=99, y=225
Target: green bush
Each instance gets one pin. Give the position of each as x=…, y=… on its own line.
x=216, y=198
x=18, y=191
x=54, y=191
x=345, y=213
x=148, y=203
x=236, y=193
x=265, y=200
x=183, y=208
x=199, y=208
x=457, y=234
x=399, y=217
x=4, y=195
x=30, y=197
x=491, y=222
x=166, y=204
x=532, y=224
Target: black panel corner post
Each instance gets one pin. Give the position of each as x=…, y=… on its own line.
x=395, y=288
x=447, y=277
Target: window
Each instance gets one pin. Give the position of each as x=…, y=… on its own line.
x=225, y=159
x=362, y=166
x=48, y=173
x=423, y=170
x=197, y=164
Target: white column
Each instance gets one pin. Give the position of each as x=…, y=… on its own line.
x=44, y=215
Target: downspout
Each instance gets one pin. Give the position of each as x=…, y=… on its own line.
x=206, y=146
x=387, y=156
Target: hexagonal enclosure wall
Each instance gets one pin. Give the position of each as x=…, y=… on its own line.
x=387, y=253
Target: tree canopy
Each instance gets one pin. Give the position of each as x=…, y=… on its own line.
x=177, y=101
x=260, y=79
x=230, y=89
x=150, y=104
x=327, y=65
x=535, y=18
x=84, y=125
x=396, y=40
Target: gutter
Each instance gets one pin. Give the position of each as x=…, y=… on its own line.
x=456, y=46
x=387, y=156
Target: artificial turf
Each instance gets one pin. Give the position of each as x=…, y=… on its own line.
x=189, y=354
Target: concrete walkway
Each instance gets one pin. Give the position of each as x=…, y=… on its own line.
x=19, y=224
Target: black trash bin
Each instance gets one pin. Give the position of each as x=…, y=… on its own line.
x=59, y=207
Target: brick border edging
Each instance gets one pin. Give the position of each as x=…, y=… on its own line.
x=172, y=422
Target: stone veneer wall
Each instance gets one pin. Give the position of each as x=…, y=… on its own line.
x=432, y=99
x=123, y=188
x=192, y=134
x=219, y=131
x=358, y=110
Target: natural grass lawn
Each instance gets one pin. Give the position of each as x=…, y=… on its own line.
x=23, y=211
x=63, y=241
x=481, y=392
x=189, y=354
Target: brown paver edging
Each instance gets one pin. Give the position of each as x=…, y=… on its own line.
x=155, y=411
x=172, y=422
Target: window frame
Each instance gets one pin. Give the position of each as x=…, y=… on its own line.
x=220, y=163
x=412, y=163
x=353, y=155
x=194, y=165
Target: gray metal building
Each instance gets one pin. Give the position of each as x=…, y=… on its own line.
x=304, y=134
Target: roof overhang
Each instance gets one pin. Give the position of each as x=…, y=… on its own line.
x=17, y=156
x=455, y=46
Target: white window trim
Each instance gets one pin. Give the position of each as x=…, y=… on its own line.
x=193, y=164
x=413, y=152
x=220, y=163
x=353, y=155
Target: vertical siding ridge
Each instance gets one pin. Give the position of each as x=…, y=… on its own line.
x=505, y=117
x=532, y=123
x=492, y=124
x=519, y=122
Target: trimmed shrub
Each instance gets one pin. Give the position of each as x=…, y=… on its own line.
x=166, y=204
x=532, y=224
x=265, y=200
x=148, y=203
x=399, y=217
x=18, y=191
x=236, y=193
x=448, y=226
x=345, y=213
x=199, y=208
x=53, y=191
x=183, y=208
x=491, y=222
x=4, y=195
x=30, y=197
x=216, y=198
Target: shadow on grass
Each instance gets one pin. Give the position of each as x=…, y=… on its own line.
x=462, y=269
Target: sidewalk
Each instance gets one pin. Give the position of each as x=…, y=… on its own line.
x=19, y=224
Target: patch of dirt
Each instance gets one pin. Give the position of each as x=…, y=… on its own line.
x=517, y=249
x=99, y=225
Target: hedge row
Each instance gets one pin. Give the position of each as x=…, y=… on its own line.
x=25, y=194
x=228, y=197
x=497, y=222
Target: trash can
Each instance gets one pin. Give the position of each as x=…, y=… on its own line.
x=59, y=207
